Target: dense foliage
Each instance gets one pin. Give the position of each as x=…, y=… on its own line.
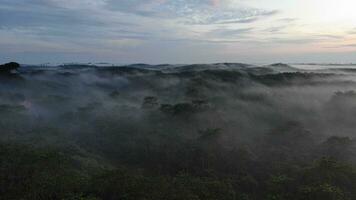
x=242, y=133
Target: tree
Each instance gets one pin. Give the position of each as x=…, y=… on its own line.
x=8, y=67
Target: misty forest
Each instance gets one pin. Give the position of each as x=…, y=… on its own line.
x=224, y=131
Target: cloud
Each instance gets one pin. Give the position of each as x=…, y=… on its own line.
x=134, y=28
x=352, y=31
x=230, y=33
x=349, y=45
x=227, y=17
x=275, y=29
x=341, y=46
x=192, y=12
x=31, y=29
x=329, y=36
x=241, y=21
x=124, y=19
x=302, y=40
x=254, y=16
x=43, y=17
x=287, y=20
x=51, y=19
x=75, y=4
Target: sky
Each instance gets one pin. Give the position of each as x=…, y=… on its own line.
x=177, y=31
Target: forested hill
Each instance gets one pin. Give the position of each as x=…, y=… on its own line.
x=182, y=132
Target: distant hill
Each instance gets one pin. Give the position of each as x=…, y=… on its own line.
x=281, y=67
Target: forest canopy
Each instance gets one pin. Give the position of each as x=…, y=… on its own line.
x=212, y=132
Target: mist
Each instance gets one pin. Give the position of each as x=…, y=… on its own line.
x=225, y=121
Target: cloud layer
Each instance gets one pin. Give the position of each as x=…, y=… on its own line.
x=156, y=30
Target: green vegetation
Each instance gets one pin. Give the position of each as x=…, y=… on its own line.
x=206, y=172
x=86, y=133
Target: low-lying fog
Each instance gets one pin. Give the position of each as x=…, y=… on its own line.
x=255, y=132
x=99, y=107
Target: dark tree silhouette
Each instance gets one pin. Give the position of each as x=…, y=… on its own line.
x=8, y=67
